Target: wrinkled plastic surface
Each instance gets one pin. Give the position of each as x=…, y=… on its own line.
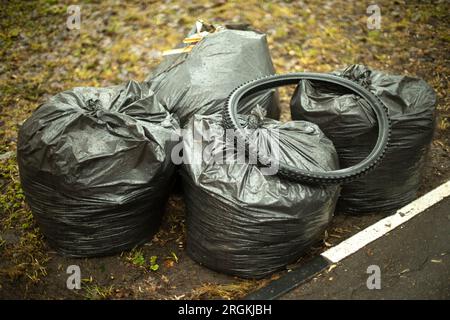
x=351, y=125
x=242, y=222
x=200, y=81
x=95, y=167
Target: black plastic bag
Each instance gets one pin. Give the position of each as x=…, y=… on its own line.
x=245, y=223
x=199, y=81
x=95, y=167
x=351, y=125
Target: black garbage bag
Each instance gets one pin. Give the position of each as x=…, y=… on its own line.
x=95, y=167
x=199, y=81
x=241, y=221
x=351, y=125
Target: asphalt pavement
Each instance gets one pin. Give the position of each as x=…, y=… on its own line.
x=410, y=262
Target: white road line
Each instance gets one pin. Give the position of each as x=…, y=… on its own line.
x=375, y=231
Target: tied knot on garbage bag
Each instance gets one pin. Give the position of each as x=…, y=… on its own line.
x=256, y=118
x=94, y=107
x=359, y=74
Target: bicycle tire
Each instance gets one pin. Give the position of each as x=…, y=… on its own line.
x=230, y=121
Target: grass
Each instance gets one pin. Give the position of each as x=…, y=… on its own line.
x=96, y=292
x=229, y=291
x=137, y=258
x=25, y=256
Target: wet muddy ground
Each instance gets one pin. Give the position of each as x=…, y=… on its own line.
x=39, y=57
